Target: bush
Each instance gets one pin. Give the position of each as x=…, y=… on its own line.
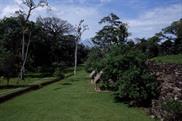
x=125, y=73
x=131, y=80
x=137, y=87
x=119, y=60
x=173, y=109
x=94, y=60
x=59, y=73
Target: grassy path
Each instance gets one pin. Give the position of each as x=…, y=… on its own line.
x=70, y=100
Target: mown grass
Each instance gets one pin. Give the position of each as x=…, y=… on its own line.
x=73, y=99
x=14, y=83
x=177, y=59
x=29, y=78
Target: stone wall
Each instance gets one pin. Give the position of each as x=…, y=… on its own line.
x=170, y=78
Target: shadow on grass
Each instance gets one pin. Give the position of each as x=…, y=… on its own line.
x=74, y=80
x=12, y=86
x=132, y=103
x=63, y=84
x=69, y=75
x=66, y=83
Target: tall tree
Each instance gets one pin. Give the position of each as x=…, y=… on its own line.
x=24, y=17
x=57, y=33
x=173, y=33
x=10, y=35
x=81, y=28
x=113, y=32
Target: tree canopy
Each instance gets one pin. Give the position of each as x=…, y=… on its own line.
x=114, y=31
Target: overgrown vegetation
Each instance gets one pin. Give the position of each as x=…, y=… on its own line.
x=123, y=66
x=123, y=63
x=126, y=74
x=93, y=60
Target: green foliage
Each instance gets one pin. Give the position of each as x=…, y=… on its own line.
x=167, y=47
x=93, y=61
x=59, y=73
x=137, y=86
x=174, y=34
x=149, y=47
x=127, y=68
x=174, y=110
x=113, y=32
x=51, y=42
x=126, y=74
x=10, y=35
x=8, y=64
x=168, y=41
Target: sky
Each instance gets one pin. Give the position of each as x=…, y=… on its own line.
x=144, y=17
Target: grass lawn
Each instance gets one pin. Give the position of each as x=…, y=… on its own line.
x=169, y=59
x=73, y=99
x=30, y=79
x=5, y=90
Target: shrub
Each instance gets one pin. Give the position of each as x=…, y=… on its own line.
x=94, y=60
x=125, y=73
x=118, y=60
x=59, y=73
x=137, y=87
x=132, y=82
x=173, y=109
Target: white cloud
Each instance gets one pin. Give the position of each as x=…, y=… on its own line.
x=8, y=10
x=145, y=25
x=74, y=14
x=151, y=22
x=71, y=12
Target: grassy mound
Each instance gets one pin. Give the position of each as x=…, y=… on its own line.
x=176, y=59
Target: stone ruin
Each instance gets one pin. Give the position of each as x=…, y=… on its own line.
x=170, y=78
x=92, y=75
x=96, y=78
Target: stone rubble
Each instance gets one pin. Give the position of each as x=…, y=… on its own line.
x=170, y=78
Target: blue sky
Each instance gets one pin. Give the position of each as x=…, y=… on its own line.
x=144, y=17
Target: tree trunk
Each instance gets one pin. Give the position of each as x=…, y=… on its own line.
x=22, y=56
x=25, y=57
x=81, y=28
x=76, y=51
x=31, y=6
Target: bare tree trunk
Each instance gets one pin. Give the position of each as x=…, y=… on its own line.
x=22, y=56
x=25, y=57
x=23, y=46
x=31, y=6
x=76, y=57
x=81, y=28
x=27, y=49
